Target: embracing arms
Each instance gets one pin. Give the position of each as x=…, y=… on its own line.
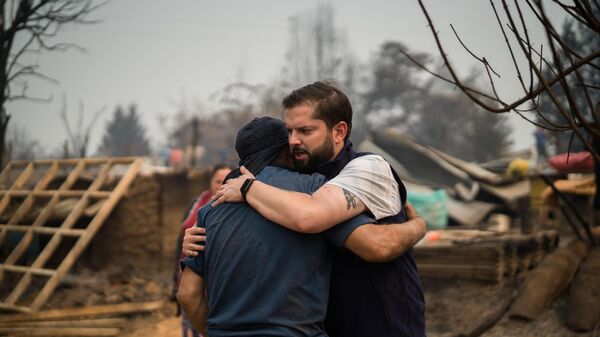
x=300, y=212
x=191, y=296
x=371, y=242
x=385, y=242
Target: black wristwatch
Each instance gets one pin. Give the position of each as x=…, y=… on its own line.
x=246, y=186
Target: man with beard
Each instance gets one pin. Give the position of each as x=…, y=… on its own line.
x=366, y=299
x=262, y=279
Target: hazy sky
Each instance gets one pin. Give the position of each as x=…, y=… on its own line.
x=154, y=52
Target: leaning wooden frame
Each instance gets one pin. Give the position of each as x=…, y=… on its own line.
x=47, y=183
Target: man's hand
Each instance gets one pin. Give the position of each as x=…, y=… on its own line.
x=192, y=239
x=421, y=226
x=382, y=243
x=230, y=191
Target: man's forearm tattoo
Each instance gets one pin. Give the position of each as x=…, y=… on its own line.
x=350, y=199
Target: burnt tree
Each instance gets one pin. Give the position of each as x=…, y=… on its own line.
x=26, y=27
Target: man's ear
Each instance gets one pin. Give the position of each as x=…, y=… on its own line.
x=340, y=130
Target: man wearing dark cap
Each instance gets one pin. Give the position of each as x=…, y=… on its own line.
x=262, y=279
x=366, y=299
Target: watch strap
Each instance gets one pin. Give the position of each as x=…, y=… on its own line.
x=246, y=187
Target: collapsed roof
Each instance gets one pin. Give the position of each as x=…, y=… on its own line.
x=474, y=192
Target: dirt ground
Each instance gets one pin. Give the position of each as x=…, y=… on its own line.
x=161, y=324
x=452, y=305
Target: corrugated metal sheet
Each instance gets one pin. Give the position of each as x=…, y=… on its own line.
x=433, y=168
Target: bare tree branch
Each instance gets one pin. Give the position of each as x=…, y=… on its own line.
x=28, y=26
x=558, y=75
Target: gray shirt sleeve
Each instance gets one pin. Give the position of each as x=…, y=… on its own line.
x=337, y=235
x=371, y=180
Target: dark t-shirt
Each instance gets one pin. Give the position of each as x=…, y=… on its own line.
x=261, y=278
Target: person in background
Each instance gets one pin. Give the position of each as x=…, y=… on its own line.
x=218, y=174
x=540, y=146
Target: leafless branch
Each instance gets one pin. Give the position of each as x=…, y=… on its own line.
x=36, y=22
x=482, y=60
x=562, y=69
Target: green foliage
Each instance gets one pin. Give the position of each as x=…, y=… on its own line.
x=124, y=135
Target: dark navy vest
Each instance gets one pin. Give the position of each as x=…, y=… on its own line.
x=373, y=299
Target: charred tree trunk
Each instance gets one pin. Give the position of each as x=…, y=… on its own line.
x=4, y=119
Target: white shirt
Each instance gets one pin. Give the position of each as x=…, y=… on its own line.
x=371, y=180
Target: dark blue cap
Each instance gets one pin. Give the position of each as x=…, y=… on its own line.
x=259, y=142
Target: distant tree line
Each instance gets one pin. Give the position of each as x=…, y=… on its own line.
x=386, y=91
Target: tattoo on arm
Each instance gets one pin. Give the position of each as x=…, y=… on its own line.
x=350, y=199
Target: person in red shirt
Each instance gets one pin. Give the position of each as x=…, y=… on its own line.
x=218, y=174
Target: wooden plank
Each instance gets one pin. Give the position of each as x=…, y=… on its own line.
x=18, y=184
x=26, y=269
x=458, y=268
x=76, y=212
x=3, y=177
x=46, y=253
x=46, y=212
x=81, y=323
x=4, y=202
x=456, y=262
x=99, y=181
x=108, y=310
x=26, y=239
x=51, y=193
x=16, y=163
x=24, y=243
x=85, y=239
x=85, y=236
x=19, y=289
x=23, y=209
x=12, y=307
x=60, y=332
x=548, y=281
x=124, y=160
x=23, y=177
x=5, y=172
x=44, y=230
x=75, y=161
x=47, y=178
x=73, y=176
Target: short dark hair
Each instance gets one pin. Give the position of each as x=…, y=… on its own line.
x=219, y=167
x=331, y=104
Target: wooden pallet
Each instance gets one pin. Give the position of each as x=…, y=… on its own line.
x=28, y=186
x=100, y=320
x=494, y=258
